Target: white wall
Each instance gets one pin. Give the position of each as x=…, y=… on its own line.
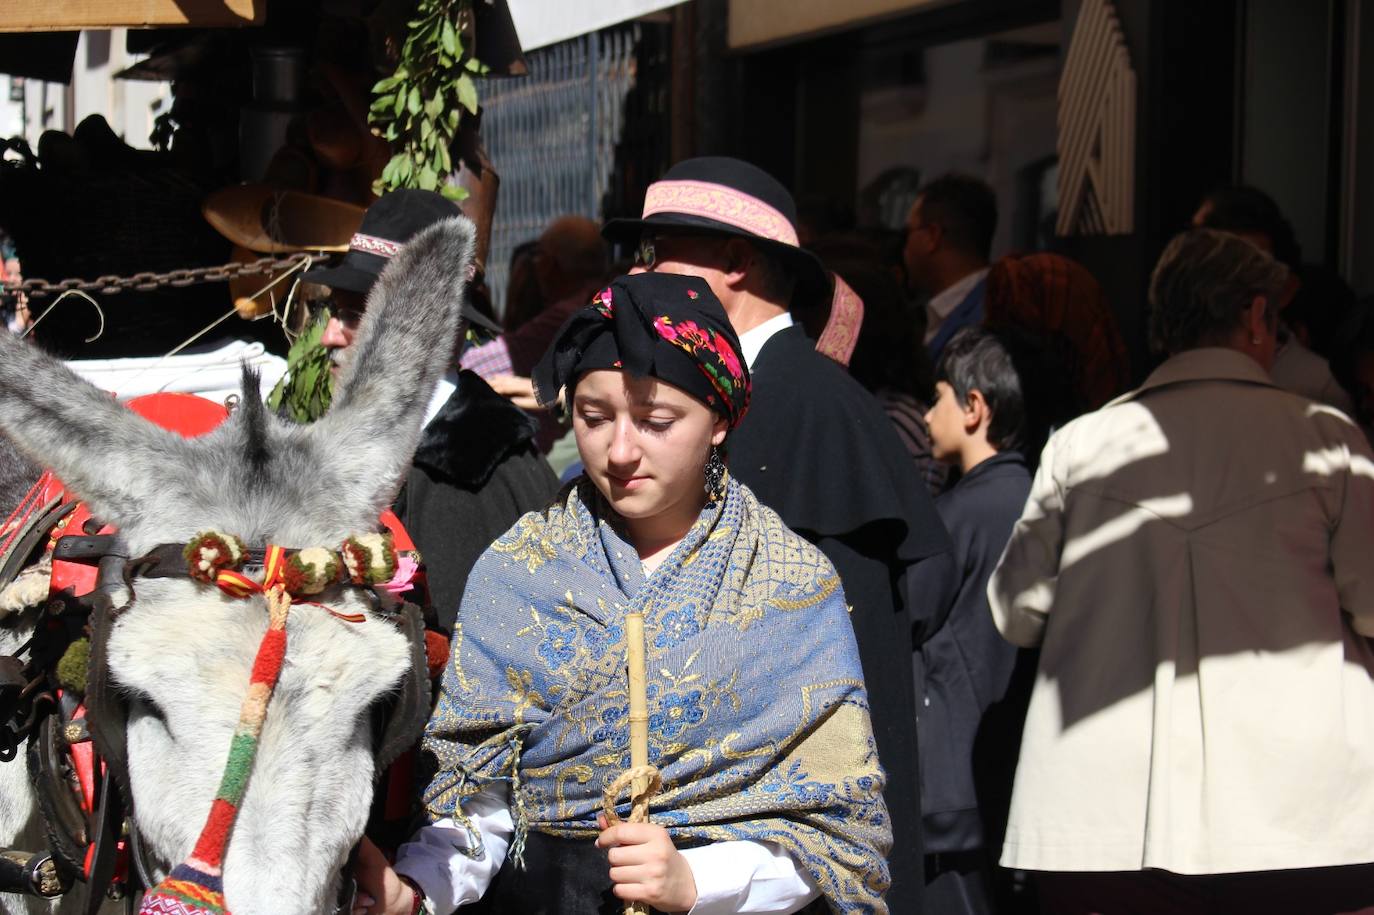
x=128, y=105
x=964, y=117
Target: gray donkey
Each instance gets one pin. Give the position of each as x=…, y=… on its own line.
x=182, y=653
x=21, y=824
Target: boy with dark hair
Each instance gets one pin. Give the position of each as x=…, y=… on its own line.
x=968, y=712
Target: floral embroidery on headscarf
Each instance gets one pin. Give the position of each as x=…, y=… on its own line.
x=643, y=324
x=701, y=343
x=603, y=303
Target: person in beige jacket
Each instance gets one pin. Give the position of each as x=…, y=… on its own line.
x=1196, y=561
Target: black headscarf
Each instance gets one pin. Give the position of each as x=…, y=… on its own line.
x=653, y=324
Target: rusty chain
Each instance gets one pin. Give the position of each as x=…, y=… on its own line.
x=147, y=281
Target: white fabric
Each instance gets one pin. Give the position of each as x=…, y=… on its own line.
x=212, y=373
x=544, y=22
x=747, y=877
x=751, y=341
x=435, y=856
x=945, y=301
x=1194, y=559
x=741, y=876
x=448, y=382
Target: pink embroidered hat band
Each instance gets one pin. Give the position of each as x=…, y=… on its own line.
x=724, y=204
x=391, y=221
x=718, y=195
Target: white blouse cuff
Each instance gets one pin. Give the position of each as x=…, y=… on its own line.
x=437, y=857
x=747, y=877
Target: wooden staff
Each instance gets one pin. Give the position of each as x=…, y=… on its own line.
x=639, y=721
x=643, y=780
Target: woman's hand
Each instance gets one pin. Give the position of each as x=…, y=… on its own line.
x=517, y=389
x=646, y=867
x=381, y=891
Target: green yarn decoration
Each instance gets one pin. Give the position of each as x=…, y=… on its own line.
x=240, y=763
x=71, y=670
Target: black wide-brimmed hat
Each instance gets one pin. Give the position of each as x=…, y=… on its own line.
x=718, y=195
x=388, y=224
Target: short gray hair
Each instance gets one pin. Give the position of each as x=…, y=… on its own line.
x=1202, y=283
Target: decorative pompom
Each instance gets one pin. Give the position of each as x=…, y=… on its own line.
x=436, y=653
x=310, y=571
x=71, y=669
x=370, y=559
x=210, y=551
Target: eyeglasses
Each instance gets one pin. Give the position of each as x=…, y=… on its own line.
x=347, y=315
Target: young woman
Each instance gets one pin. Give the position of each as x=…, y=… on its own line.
x=772, y=793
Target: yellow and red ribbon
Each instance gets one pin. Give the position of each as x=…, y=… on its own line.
x=236, y=584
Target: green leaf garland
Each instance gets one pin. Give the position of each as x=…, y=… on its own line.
x=304, y=393
x=419, y=107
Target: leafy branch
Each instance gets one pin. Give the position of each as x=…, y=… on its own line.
x=419, y=107
x=304, y=392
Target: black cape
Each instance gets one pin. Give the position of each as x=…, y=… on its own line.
x=474, y=474
x=819, y=450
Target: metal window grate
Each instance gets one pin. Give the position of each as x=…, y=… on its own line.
x=552, y=136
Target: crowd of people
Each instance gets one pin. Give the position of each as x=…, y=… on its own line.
x=942, y=615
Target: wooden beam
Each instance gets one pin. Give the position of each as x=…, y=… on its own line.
x=48, y=16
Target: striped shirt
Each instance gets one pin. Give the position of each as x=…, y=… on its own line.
x=909, y=416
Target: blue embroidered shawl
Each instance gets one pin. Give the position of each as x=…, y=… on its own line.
x=758, y=714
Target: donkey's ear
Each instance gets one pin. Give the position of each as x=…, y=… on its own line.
x=107, y=454
x=405, y=343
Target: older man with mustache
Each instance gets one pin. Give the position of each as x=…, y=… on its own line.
x=476, y=470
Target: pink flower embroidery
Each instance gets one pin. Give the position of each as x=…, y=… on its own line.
x=690, y=332
x=603, y=303
x=728, y=357
x=664, y=325
x=401, y=582
x=692, y=293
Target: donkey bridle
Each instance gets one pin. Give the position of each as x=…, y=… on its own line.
x=107, y=710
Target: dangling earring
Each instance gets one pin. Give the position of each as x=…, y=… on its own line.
x=715, y=475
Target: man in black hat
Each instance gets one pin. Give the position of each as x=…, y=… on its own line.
x=815, y=446
x=476, y=470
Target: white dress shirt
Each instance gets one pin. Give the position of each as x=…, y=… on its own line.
x=751, y=341
x=448, y=383
x=738, y=876
x=942, y=303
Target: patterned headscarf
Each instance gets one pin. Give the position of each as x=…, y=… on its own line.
x=653, y=324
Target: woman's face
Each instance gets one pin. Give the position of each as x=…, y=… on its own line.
x=645, y=443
